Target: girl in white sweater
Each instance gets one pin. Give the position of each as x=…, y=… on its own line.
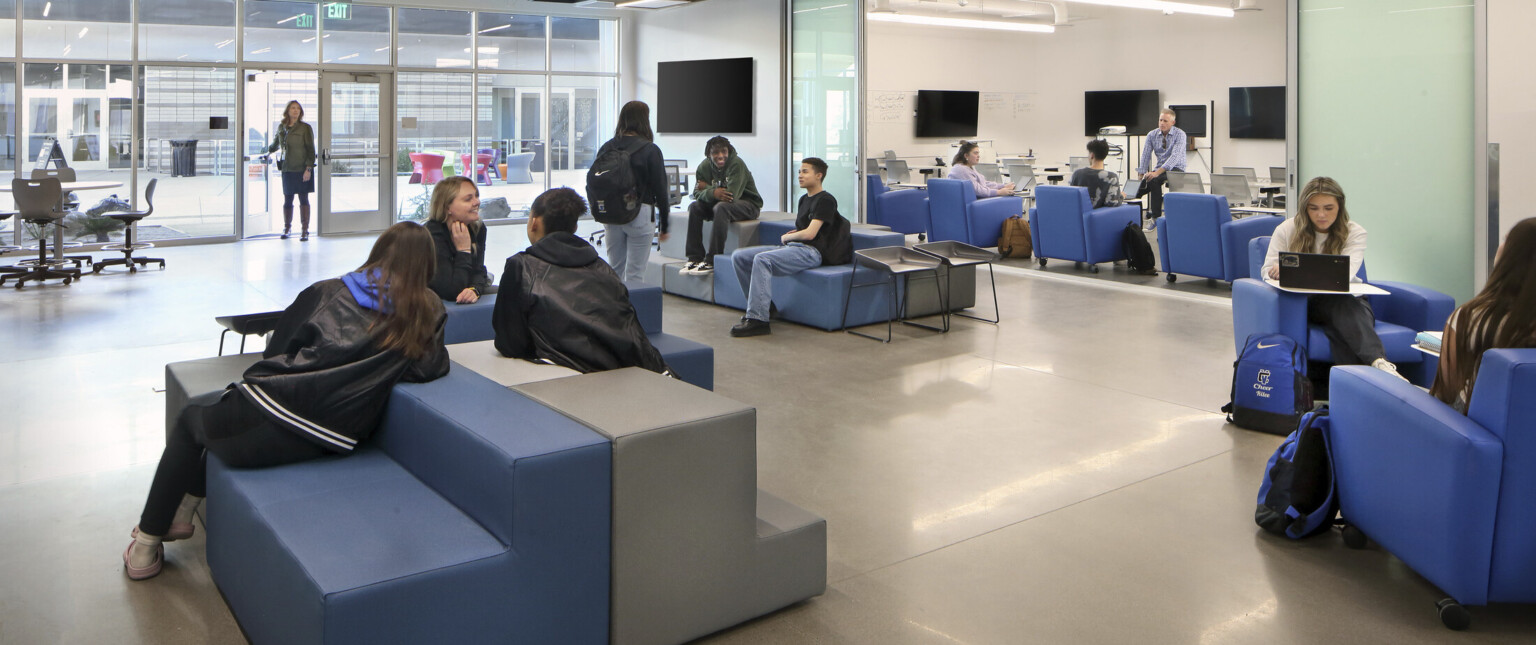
x=1323, y=226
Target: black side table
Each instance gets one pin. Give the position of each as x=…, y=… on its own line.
x=894, y=262
x=959, y=254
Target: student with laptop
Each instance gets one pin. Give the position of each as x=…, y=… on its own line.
x=1323, y=226
x=1502, y=315
x=1103, y=185
x=962, y=169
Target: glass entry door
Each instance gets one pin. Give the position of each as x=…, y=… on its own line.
x=267, y=94
x=356, y=182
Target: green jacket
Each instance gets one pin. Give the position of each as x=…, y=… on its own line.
x=733, y=177
x=298, y=145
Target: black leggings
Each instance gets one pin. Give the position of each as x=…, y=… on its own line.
x=288, y=199
x=225, y=424
x=1350, y=326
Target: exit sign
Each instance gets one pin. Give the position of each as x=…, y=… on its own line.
x=305, y=21
x=338, y=11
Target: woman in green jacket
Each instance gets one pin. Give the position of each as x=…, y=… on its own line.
x=297, y=140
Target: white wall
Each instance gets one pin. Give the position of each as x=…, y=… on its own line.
x=1191, y=59
x=1511, y=106
x=716, y=29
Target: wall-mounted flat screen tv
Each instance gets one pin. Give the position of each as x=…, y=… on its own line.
x=704, y=96
x=1134, y=109
x=1257, y=112
x=1190, y=119
x=944, y=113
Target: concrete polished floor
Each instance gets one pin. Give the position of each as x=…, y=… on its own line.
x=1063, y=477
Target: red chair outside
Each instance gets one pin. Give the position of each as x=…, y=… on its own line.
x=481, y=163
x=427, y=168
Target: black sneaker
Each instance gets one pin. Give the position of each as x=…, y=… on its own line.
x=704, y=268
x=750, y=327
x=688, y=268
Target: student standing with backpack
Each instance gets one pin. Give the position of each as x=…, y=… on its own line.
x=627, y=188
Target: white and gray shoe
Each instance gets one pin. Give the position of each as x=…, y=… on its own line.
x=689, y=267
x=1383, y=365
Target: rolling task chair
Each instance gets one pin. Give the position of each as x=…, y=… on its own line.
x=65, y=175
x=38, y=201
x=129, y=246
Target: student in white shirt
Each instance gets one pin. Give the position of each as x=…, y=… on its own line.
x=1323, y=226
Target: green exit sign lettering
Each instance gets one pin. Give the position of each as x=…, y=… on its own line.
x=338, y=11
x=305, y=21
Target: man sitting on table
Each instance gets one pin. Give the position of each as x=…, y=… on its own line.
x=1167, y=142
x=724, y=193
x=821, y=236
x=560, y=303
x=1103, y=185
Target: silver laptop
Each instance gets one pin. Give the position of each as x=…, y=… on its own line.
x=1021, y=175
x=1235, y=187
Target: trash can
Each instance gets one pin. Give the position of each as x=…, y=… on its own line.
x=183, y=157
x=537, y=148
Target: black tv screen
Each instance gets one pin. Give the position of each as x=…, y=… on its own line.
x=1190, y=119
x=1257, y=112
x=704, y=96
x=943, y=113
x=1134, y=109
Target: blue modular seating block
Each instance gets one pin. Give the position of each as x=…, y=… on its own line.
x=1197, y=236
x=814, y=297
x=1065, y=226
x=693, y=362
x=904, y=211
x=954, y=213
x=1452, y=496
x=1258, y=308
x=451, y=525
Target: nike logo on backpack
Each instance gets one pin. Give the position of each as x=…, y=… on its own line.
x=599, y=173
x=1263, y=346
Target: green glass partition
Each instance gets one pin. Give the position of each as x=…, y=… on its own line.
x=1385, y=107
x=824, y=115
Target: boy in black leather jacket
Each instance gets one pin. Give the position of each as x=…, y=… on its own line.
x=561, y=303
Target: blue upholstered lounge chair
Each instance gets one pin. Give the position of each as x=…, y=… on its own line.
x=1197, y=236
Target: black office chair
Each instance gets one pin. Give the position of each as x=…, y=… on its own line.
x=38, y=200
x=129, y=246
x=71, y=203
x=7, y=248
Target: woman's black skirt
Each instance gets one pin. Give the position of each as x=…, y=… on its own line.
x=294, y=184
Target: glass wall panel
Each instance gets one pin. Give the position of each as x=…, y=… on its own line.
x=9, y=151
x=281, y=31
x=825, y=103
x=97, y=29
x=583, y=45
x=583, y=114
x=510, y=112
x=77, y=116
x=360, y=39
x=435, y=112
x=510, y=41
x=8, y=31
x=1368, y=71
x=434, y=38
x=195, y=165
x=187, y=30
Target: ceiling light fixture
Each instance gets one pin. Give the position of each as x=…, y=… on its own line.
x=650, y=4
x=1160, y=5
x=935, y=21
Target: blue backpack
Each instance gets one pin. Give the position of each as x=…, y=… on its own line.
x=1270, y=389
x=1296, y=498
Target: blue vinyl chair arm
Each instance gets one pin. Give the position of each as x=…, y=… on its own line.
x=1034, y=227
x=1235, y=238
x=1412, y=306
x=1417, y=477
x=987, y=216
x=1258, y=308
x=1101, y=230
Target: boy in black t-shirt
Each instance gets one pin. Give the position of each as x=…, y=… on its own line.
x=821, y=236
x=1103, y=185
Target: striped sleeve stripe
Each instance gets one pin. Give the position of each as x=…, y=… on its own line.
x=295, y=420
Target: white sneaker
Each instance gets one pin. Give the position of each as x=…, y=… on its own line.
x=704, y=268
x=689, y=267
x=1383, y=365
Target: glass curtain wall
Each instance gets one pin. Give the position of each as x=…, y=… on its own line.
x=824, y=54
x=1382, y=85
x=535, y=94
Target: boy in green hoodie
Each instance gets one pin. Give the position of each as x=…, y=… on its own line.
x=724, y=193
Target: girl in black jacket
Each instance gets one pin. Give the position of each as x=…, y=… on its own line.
x=321, y=387
x=629, y=245
x=458, y=236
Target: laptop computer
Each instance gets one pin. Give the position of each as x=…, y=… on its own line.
x=1319, y=271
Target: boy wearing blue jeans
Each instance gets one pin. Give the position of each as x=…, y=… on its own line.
x=821, y=236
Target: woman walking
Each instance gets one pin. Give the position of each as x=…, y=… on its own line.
x=297, y=141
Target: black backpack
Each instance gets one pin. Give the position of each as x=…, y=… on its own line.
x=612, y=192
x=1138, y=252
